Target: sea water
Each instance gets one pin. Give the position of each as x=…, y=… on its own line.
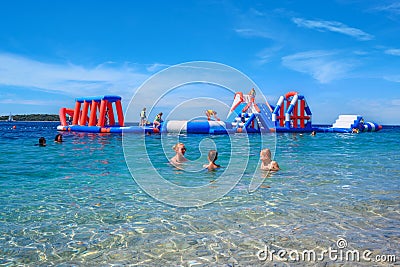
x=76, y=203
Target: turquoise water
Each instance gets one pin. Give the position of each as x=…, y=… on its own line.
x=76, y=203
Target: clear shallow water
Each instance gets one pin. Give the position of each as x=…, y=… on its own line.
x=76, y=203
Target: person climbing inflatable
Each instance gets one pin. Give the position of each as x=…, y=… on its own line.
x=210, y=112
x=158, y=120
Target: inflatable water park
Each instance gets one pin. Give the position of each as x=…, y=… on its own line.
x=104, y=114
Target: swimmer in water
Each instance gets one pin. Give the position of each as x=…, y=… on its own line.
x=179, y=157
x=212, y=157
x=267, y=164
x=42, y=141
x=58, y=138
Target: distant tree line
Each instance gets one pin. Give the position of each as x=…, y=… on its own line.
x=32, y=117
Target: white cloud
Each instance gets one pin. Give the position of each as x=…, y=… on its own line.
x=266, y=54
x=250, y=33
x=323, y=66
x=333, y=26
x=156, y=67
x=69, y=79
x=393, y=8
x=29, y=102
x=256, y=12
x=394, y=52
x=392, y=78
x=361, y=52
x=395, y=102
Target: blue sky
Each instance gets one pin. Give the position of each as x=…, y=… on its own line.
x=344, y=56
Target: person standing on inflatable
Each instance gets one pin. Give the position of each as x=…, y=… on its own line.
x=143, y=117
x=106, y=118
x=210, y=112
x=252, y=94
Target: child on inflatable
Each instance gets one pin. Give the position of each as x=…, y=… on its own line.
x=210, y=112
x=157, y=120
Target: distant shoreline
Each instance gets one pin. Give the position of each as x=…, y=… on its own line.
x=32, y=117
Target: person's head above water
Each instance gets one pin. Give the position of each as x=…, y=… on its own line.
x=42, y=141
x=266, y=162
x=179, y=148
x=265, y=154
x=58, y=138
x=179, y=157
x=212, y=155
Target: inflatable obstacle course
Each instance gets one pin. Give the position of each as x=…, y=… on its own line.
x=93, y=114
x=103, y=114
x=353, y=123
x=292, y=113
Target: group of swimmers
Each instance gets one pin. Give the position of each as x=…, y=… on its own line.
x=267, y=164
x=57, y=139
